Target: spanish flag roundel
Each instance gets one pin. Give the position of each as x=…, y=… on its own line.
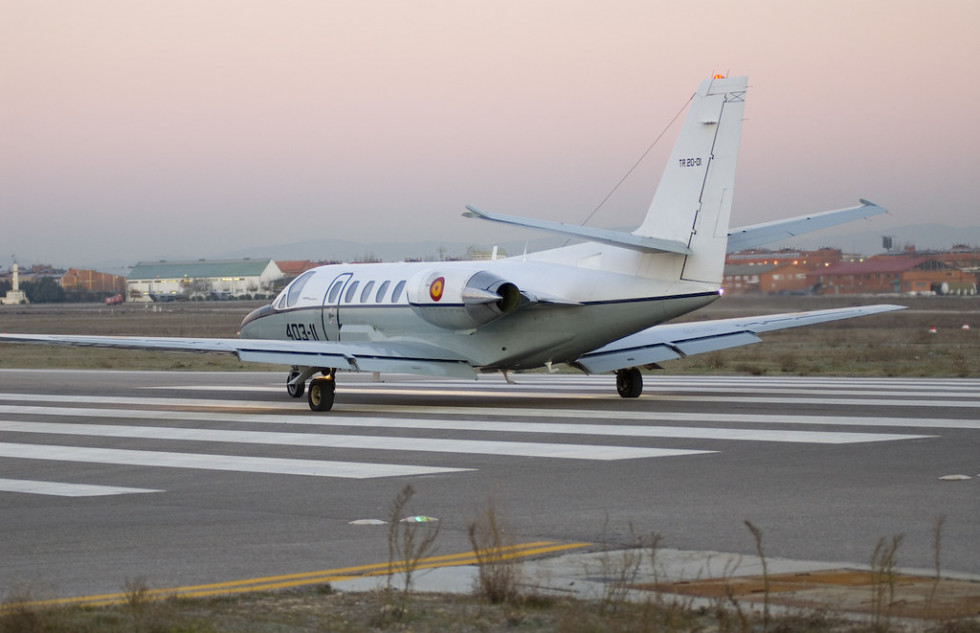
x=435, y=290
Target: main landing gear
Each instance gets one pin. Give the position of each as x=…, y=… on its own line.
x=629, y=382
x=320, y=394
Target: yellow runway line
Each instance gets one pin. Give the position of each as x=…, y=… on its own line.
x=286, y=581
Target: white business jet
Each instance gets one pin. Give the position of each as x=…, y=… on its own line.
x=599, y=306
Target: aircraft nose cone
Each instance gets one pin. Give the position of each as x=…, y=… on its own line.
x=254, y=316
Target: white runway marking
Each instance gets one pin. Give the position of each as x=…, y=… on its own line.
x=58, y=489
x=843, y=397
x=876, y=387
x=191, y=420
x=371, y=442
x=889, y=403
x=278, y=466
x=338, y=418
x=450, y=446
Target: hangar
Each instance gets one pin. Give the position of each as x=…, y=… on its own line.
x=203, y=279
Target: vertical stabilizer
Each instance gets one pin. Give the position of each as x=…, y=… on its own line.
x=694, y=199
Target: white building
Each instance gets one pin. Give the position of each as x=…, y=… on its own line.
x=163, y=281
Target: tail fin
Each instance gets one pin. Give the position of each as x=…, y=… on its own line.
x=694, y=199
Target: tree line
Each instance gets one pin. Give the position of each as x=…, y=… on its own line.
x=44, y=290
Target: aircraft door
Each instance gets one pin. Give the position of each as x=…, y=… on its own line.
x=331, y=306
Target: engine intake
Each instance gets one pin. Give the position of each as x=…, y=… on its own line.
x=458, y=302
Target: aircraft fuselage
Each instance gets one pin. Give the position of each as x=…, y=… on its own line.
x=493, y=315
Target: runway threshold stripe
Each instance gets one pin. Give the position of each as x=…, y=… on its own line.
x=370, y=442
x=523, y=395
x=567, y=383
x=59, y=489
x=519, y=449
x=285, y=581
x=460, y=423
x=269, y=465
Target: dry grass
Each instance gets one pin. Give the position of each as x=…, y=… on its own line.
x=890, y=344
x=200, y=319
x=319, y=609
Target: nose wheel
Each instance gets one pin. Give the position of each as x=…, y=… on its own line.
x=295, y=388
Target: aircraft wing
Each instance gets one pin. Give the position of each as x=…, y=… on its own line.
x=745, y=237
x=389, y=357
x=676, y=340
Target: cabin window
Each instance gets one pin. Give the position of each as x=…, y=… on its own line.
x=396, y=294
x=295, y=288
x=335, y=290
x=378, y=298
x=367, y=291
x=349, y=295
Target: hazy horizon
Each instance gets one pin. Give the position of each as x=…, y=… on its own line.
x=134, y=129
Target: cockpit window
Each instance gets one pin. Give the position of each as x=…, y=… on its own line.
x=295, y=288
x=378, y=298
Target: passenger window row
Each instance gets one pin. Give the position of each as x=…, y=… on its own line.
x=333, y=295
x=290, y=296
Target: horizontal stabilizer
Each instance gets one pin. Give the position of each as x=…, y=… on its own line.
x=603, y=236
x=745, y=237
x=675, y=340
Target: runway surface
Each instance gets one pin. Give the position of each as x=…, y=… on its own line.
x=193, y=478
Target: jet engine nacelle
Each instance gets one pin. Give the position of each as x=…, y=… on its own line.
x=461, y=299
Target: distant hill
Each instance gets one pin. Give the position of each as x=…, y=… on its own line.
x=923, y=236
x=328, y=249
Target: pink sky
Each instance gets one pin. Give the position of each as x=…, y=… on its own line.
x=136, y=129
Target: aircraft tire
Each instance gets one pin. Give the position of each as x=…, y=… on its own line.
x=295, y=391
x=321, y=394
x=629, y=382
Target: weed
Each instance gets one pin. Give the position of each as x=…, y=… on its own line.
x=137, y=594
x=498, y=577
x=883, y=564
x=757, y=536
x=937, y=537
x=408, y=541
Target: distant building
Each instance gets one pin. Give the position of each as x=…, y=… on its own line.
x=295, y=267
x=166, y=281
x=810, y=260
x=765, y=278
x=893, y=274
x=773, y=272
x=92, y=281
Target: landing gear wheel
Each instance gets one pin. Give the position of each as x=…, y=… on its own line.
x=321, y=393
x=295, y=389
x=629, y=382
